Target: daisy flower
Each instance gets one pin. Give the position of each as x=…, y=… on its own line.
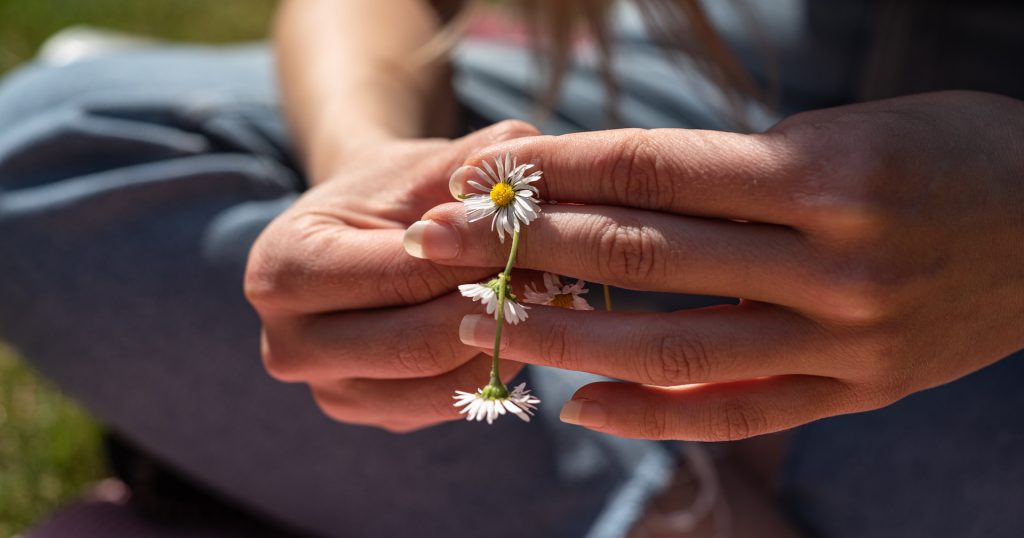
x=478, y=406
x=508, y=195
x=558, y=295
x=488, y=295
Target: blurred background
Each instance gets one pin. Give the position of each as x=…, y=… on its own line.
x=50, y=449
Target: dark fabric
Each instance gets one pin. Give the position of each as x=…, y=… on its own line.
x=131, y=188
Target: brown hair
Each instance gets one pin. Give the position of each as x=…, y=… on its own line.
x=681, y=27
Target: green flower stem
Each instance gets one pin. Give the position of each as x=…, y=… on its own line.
x=496, y=385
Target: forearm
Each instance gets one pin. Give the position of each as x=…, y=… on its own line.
x=346, y=78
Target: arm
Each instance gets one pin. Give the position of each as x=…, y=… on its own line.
x=329, y=277
x=345, y=78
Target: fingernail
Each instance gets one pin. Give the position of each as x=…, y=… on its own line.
x=478, y=330
x=587, y=413
x=457, y=183
x=431, y=240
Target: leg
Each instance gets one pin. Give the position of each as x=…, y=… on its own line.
x=130, y=190
x=944, y=462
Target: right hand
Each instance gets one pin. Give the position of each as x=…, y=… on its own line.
x=346, y=310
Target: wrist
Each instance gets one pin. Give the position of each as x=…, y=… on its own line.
x=336, y=144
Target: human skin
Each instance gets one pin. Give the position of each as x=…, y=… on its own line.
x=878, y=249
x=346, y=84
x=347, y=311
x=344, y=308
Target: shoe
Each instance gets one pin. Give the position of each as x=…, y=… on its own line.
x=76, y=43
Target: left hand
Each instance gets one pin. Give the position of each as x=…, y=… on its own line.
x=879, y=250
x=346, y=311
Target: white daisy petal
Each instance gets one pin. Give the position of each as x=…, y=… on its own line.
x=478, y=408
x=551, y=282
x=486, y=178
x=490, y=172
x=515, y=312
x=511, y=224
x=556, y=294
x=517, y=211
x=487, y=295
x=512, y=408
x=509, y=209
x=579, y=303
x=499, y=167
x=499, y=223
x=477, y=186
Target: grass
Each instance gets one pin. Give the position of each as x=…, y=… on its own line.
x=49, y=447
x=24, y=24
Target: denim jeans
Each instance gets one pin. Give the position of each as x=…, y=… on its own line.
x=131, y=188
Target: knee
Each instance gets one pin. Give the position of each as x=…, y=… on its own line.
x=36, y=88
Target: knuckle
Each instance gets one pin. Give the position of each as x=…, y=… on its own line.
x=856, y=304
x=626, y=252
x=888, y=379
x=879, y=393
x=735, y=420
x=279, y=268
x=860, y=290
x=896, y=387
x=411, y=288
x=555, y=346
x=262, y=283
x=636, y=176
x=509, y=129
x=335, y=405
x=677, y=360
x=420, y=352
x=839, y=181
x=281, y=362
x=653, y=422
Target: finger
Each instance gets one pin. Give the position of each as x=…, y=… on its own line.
x=406, y=404
x=706, y=173
x=715, y=344
x=493, y=134
x=340, y=268
x=634, y=249
x=442, y=163
x=386, y=343
x=715, y=412
x=337, y=265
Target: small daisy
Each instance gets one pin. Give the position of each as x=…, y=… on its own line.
x=477, y=406
x=557, y=294
x=488, y=295
x=508, y=195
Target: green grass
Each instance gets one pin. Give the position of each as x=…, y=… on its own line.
x=49, y=447
x=24, y=24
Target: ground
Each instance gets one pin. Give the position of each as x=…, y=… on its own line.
x=49, y=447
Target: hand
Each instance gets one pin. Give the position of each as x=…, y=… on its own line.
x=878, y=249
x=346, y=310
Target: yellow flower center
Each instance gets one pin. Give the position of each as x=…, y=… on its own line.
x=562, y=300
x=502, y=194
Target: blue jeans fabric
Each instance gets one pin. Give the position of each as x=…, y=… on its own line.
x=131, y=188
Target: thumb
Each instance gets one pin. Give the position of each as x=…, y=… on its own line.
x=493, y=134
